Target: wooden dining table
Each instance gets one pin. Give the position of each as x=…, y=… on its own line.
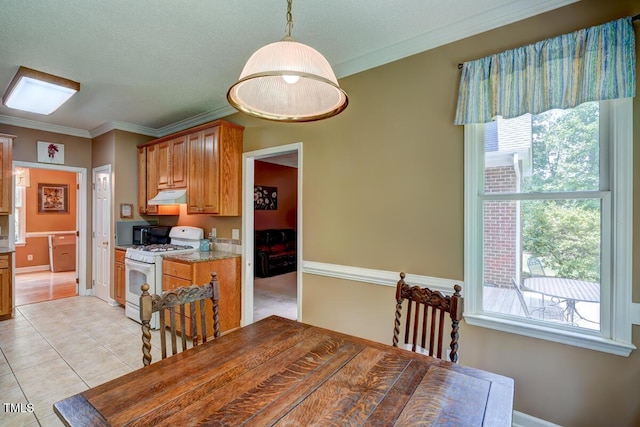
x=282, y=372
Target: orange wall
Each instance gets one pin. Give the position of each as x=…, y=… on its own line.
x=285, y=178
x=45, y=222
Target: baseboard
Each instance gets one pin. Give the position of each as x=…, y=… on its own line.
x=33, y=269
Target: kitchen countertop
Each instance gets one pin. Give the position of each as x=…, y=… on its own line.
x=124, y=247
x=4, y=250
x=199, y=256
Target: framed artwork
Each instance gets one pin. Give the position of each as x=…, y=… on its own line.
x=50, y=152
x=265, y=198
x=53, y=198
x=126, y=210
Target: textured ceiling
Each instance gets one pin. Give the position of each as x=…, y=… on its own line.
x=158, y=66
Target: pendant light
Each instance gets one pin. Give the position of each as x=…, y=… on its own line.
x=288, y=81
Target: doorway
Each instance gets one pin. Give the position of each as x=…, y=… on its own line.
x=278, y=286
x=49, y=256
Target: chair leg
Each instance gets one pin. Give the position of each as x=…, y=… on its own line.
x=146, y=343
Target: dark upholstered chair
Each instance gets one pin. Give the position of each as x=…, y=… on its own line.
x=426, y=310
x=184, y=303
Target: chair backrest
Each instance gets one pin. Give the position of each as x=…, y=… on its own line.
x=426, y=311
x=521, y=297
x=177, y=303
x=535, y=267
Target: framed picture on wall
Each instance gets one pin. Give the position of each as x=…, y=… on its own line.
x=50, y=152
x=265, y=198
x=53, y=198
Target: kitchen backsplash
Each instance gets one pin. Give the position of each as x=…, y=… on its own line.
x=228, y=245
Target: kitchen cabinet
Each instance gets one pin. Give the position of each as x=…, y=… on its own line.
x=6, y=146
x=215, y=170
x=6, y=287
x=147, y=179
x=206, y=160
x=119, y=277
x=177, y=273
x=172, y=163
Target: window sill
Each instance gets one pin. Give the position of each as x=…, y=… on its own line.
x=549, y=334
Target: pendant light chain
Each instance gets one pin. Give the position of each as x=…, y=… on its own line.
x=289, y=27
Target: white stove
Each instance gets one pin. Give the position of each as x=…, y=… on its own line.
x=143, y=264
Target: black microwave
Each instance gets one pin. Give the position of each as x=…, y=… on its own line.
x=151, y=234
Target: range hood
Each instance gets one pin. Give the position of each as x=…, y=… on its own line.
x=169, y=197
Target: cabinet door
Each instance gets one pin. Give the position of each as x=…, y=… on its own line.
x=228, y=272
x=142, y=180
x=119, y=276
x=172, y=163
x=152, y=178
x=179, y=162
x=204, y=190
x=230, y=175
x=119, y=283
x=6, y=298
x=6, y=144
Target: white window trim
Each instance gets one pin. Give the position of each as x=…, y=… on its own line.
x=620, y=134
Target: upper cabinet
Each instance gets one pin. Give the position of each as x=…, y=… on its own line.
x=6, y=145
x=206, y=160
x=215, y=179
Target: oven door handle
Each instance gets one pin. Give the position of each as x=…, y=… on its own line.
x=139, y=266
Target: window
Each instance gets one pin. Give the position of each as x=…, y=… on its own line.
x=20, y=215
x=548, y=225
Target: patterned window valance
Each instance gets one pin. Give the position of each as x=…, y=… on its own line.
x=592, y=64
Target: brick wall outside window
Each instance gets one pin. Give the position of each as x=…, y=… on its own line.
x=500, y=228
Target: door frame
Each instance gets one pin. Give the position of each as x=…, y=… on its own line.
x=248, y=181
x=81, y=217
x=105, y=169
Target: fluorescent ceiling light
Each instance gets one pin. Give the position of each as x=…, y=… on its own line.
x=38, y=92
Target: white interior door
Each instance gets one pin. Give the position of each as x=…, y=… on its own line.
x=102, y=232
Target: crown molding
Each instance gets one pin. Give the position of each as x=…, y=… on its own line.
x=488, y=20
x=47, y=127
x=199, y=119
x=207, y=116
x=124, y=126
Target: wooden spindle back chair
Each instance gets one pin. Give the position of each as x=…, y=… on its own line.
x=177, y=303
x=426, y=310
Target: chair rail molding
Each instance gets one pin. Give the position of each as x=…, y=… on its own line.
x=378, y=277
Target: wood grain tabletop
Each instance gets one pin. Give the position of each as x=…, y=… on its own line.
x=281, y=372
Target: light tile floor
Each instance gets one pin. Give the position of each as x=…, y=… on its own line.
x=55, y=349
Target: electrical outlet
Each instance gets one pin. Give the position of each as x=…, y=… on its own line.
x=29, y=257
x=235, y=233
